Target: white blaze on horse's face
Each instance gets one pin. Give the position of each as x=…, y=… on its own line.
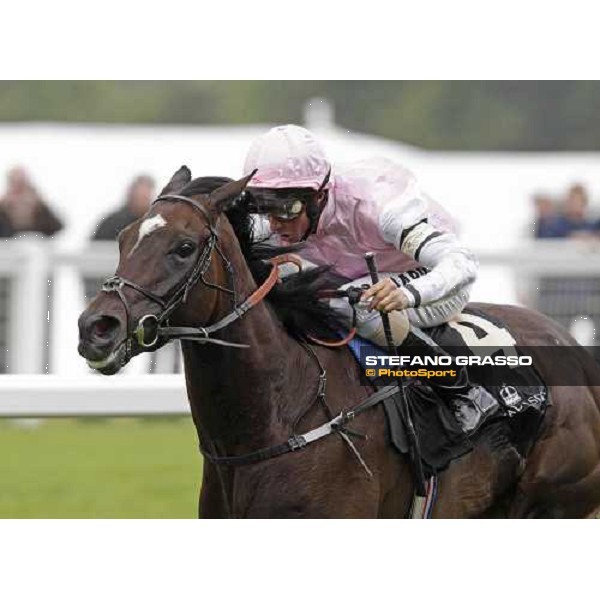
x=147, y=227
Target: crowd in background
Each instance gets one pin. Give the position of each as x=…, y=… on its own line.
x=23, y=209
x=565, y=217
x=138, y=197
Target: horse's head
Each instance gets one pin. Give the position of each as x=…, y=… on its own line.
x=163, y=256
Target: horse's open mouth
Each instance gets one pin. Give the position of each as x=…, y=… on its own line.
x=112, y=363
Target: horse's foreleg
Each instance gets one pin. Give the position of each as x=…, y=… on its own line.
x=212, y=503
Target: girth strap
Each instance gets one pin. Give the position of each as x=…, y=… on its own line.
x=299, y=442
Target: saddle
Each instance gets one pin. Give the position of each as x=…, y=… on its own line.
x=520, y=392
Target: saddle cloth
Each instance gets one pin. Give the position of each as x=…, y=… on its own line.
x=521, y=394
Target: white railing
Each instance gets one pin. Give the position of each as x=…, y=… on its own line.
x=46, y=296
x=27, y=396
x=548, y=257
x=31, y=264
x=47, y=291
x=70, y=389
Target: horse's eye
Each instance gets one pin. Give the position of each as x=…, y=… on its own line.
x=186, y=249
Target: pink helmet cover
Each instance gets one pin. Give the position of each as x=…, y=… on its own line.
x=287, y=156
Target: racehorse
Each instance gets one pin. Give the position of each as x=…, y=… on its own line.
x=186, y=271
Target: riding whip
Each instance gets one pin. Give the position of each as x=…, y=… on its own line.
x=411, y=434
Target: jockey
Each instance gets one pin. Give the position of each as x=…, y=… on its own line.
x=370, y=206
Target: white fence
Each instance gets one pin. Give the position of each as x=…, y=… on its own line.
x=92, y=396
x=47, y=294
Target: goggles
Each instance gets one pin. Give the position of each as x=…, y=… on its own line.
x=282, y=204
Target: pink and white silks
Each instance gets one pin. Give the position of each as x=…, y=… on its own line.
x=374, y=205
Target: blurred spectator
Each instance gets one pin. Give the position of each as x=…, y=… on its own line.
x=576, y=213
x=23, y=209
x=548, y=222
x=137, y=201
x=568, y=219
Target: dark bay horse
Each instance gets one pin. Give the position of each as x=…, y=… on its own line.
x=188, y=260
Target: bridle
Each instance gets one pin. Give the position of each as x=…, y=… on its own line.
x=162, y=331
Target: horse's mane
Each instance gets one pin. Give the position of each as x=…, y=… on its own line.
x=295, y=300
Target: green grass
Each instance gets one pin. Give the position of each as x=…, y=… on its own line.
x=99, y=468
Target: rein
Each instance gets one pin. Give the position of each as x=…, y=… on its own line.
x=202, y=334
x=353, y=295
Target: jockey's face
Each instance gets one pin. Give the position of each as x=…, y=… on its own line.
x=290, y=232
x=286, y=210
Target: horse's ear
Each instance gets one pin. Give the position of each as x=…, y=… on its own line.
x=219, y=197
x=180, y=178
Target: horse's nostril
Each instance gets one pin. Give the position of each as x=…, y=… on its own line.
x=101, y=327
x=104, y=327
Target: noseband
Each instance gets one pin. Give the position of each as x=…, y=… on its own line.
x=162, y=331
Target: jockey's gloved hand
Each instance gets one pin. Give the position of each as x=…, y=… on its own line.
x=386, y=296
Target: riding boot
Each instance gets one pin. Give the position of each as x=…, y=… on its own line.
x=471, y=404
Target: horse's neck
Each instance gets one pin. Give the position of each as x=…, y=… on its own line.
x=242, y=399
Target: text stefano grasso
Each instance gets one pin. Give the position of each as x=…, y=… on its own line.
x=446, y=361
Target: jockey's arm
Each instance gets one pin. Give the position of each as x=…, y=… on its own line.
x=453, y=266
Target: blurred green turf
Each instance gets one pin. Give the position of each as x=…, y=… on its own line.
x=99, y=468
